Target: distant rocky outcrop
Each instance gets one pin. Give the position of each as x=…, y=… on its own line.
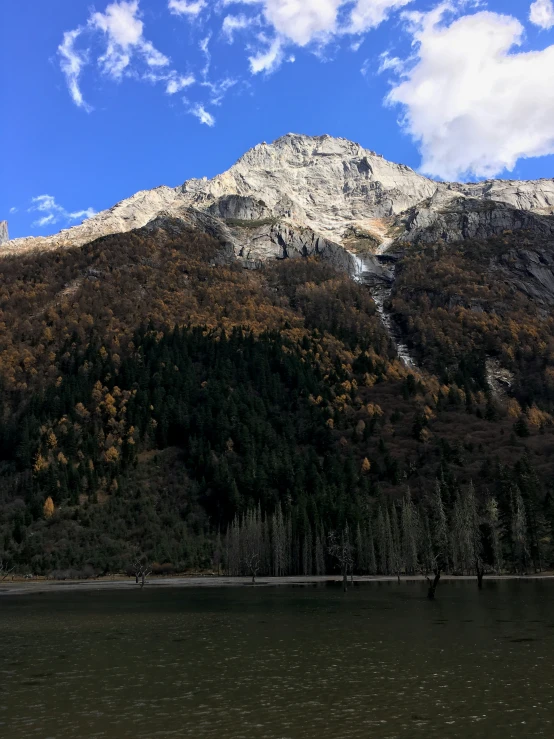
x=453, y=217
x=4, y=235
x=304, y=195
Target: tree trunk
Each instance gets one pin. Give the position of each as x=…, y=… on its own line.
x=433, y=585
x=480, y=574
x=345, y=580
x=253, y=578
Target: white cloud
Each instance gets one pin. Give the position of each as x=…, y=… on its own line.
x=72, y=63
x=13, y=210
x=204, y=46
x=84, y=214
x=153, y=57
x=268, y=60
x=305, y=21
x=178, y=83
x=192, y=8
x=55, y=213
x=202, y=114
x=45, y=202
x=234, y=23
x=541, y=13
x=127, y=51
x=371, y=13
x=123, y=28
x=219, y=89
x=473, y=102
x=45, y=221
x=299, y=21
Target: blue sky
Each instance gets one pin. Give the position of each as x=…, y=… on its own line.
x=104, y=98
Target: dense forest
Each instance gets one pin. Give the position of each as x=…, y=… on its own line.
x=158, y=401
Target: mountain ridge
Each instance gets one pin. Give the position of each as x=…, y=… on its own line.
x=327, y=185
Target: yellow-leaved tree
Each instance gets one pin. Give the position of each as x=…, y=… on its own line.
x=48, y=508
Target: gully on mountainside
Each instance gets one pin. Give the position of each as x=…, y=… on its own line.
x=369, y=270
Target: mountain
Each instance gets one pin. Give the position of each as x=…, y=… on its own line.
x=174, y=385
x=306, y=195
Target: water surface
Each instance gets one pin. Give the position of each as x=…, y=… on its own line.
x=280, y=663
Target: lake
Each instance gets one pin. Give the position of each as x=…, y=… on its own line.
x=280, y=662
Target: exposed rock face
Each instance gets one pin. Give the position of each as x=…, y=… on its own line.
x=500, y=379
x=450, y=219
x=536, y=196
x=4, y=236
x=529, y=270
x=303, y=195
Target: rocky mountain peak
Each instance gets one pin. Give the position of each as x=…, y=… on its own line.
x=319, y=193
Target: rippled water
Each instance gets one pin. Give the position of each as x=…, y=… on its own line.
x=280, y=663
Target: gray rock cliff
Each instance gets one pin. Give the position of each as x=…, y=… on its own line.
x=4, y=235
x=305, y=195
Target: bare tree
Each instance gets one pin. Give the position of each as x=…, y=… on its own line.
x=251, y=561
x=493, y=520
x=475, y=535
x=252, y=544
x=395, y=556
x=433, y=584
x=140, y=570
x=4, y=571
x=279, y=541
x=144, y=574
x=341, y=548
x=217, y=556
x=320, y=553
x=409, y=534
x=519, y=530
x=438, y=532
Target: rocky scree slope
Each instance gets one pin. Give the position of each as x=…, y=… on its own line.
x=306, y=195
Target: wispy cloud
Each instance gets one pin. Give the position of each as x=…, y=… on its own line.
x=52, y=212
x=200, y=112
x=269, y=59
x=235, y=23
x=190, y=8
x=176, y=83
x=126, y=51
x=270, y=30
x=304, y=23
x=72, y=63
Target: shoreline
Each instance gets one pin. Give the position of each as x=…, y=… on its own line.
x=25, y=587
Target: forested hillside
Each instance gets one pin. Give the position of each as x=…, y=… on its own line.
x=160, y=401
